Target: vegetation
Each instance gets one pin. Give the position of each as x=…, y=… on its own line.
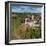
x=21, y=31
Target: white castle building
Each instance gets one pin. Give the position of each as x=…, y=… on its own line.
x=31, y=22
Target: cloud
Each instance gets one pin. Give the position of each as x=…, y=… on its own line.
x=22, y=9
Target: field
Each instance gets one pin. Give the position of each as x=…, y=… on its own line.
x=19, y=30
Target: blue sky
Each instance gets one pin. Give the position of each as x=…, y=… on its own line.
x=26, y=9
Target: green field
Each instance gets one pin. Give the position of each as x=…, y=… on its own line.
x=25, y=32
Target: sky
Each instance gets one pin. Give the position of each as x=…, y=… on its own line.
x=26, y=9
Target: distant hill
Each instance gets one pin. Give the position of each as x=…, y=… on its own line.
x=27, y=13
